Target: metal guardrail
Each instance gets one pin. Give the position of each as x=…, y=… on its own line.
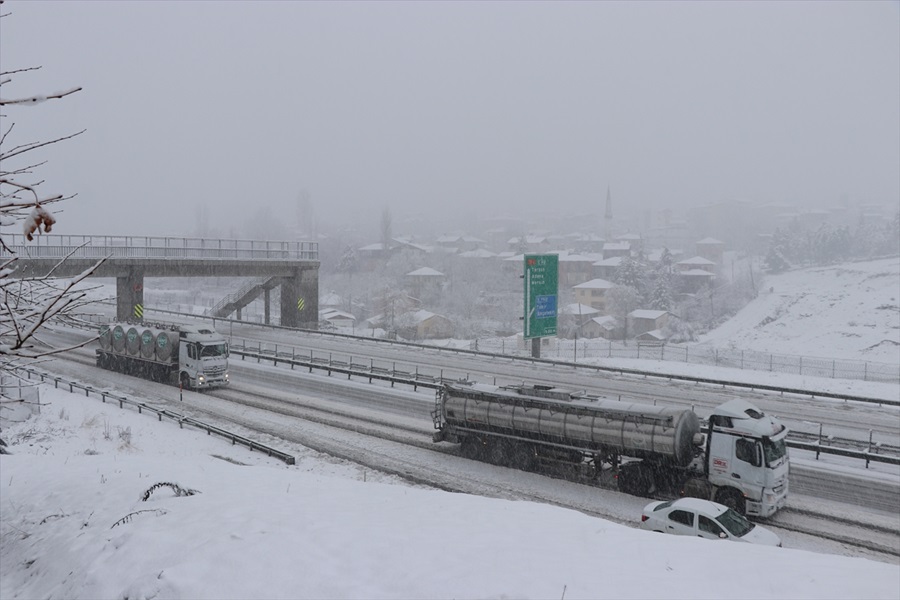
x=417, y=380
x=51, y=246
x=639, y=372
x=160, y=413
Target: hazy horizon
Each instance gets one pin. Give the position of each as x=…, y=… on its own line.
x=453, y=111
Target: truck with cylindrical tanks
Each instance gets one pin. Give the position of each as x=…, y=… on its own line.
x=740, y=462
x=193, y=356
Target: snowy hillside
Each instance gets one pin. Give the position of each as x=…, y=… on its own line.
x=849, y=311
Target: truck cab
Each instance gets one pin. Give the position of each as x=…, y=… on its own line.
x=203, y=357
x=746, y=459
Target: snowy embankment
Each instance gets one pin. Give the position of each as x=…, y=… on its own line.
x=845, y=311
x=74, y=525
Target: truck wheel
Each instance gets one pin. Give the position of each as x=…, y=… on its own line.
x=733, y=499
x=471, y=447
x=636, y=480
x=497, y=452
x=521, y=456
x=185, y=381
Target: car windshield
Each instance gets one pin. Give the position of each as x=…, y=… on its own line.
x=734, y=523
x=773, y=450
x=213, y=350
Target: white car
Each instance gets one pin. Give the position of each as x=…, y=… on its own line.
x=702, y=518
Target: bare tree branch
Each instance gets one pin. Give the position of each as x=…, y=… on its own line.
x=30, y=147
x=32, y=100
x=22, y=70
x=31, y=305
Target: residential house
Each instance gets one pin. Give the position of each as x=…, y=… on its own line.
x=331, y=300
x=606, y=327
x=574, y=269
x=643, y=320
x=531, y=244
x=573, y=317
x=711, y=249
x=606, y=268
x=427, y=325
x=694, y=280
x=477, y=253
x=336, y=319
x=611, y=249
x=592, y=293
x=425, y=281
x=696, y=262
x=653, y=338
x=461, y=243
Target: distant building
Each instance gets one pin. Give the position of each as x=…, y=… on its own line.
x=612, y=249
x=696, y=262
x=574, y=269
x=427, y=325
x=643, y=320
x=606, y=268
x=332, y=318
x=593, y=293
x=711, y=249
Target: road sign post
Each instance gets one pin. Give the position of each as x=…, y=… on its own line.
x=541, y=298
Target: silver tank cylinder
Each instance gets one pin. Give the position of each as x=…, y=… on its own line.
x=148, y=343
x=166, y=345
x=633, y=429
x=118, y=338
x=133, y=341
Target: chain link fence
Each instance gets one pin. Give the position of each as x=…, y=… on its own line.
x=575, y=350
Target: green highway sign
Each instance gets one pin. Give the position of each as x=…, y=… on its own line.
x=541, y=294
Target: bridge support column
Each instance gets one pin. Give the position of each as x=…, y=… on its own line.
x=300, y=299
x=130, y=295
x=267, y=307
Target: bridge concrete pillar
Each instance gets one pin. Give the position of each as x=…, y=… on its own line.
x=130, y=295
x=267, y=308
x=300, y=299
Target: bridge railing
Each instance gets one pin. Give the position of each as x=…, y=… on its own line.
x=99, y=246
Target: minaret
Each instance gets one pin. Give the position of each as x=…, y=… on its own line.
x=607, y=218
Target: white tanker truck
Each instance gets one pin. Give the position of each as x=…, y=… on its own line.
x=194, y=356
x=741, y=462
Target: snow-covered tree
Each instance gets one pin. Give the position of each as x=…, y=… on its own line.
x=621, y=300
x=777, y=257
x=661, y=295
x=633, y=273
x=29, y=304
x=349, y=262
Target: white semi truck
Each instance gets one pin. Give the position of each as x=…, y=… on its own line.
x=741, y=462
x=194, y=356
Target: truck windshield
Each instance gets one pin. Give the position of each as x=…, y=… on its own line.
x=773, y=450
x=734, y=523
x=213, y=350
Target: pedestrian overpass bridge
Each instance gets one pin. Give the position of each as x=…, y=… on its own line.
x=292, y=266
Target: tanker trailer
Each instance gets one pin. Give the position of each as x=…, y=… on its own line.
x=194, y=356
x=647, y=449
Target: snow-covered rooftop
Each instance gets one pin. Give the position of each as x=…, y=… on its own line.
x=598, y=284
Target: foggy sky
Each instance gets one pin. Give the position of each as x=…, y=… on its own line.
x=465, y=109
